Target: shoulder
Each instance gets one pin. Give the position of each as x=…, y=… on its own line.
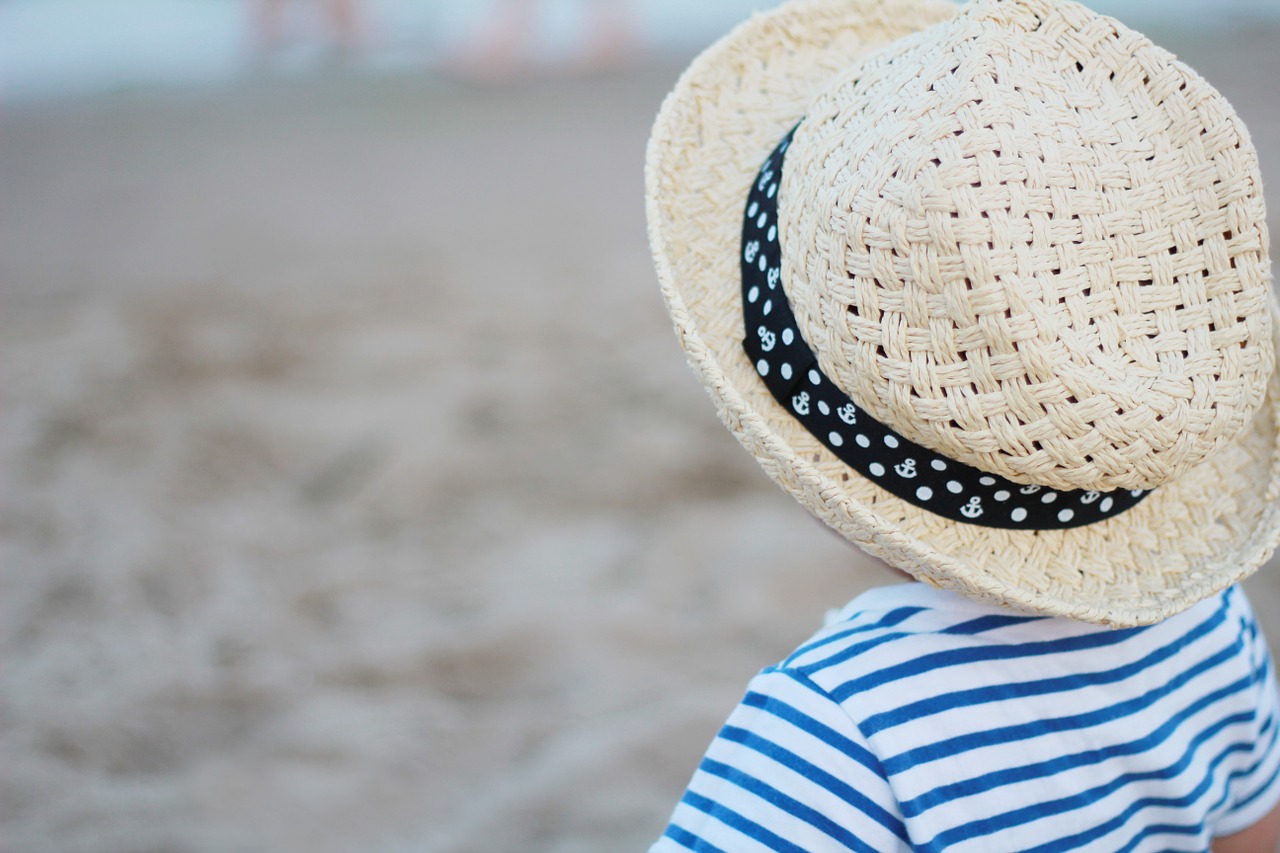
x=788, y=770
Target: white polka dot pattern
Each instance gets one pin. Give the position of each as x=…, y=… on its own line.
x=911, y=472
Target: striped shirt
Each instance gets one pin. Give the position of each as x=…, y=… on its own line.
x=919, y=720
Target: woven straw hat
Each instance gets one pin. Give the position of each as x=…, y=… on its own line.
x=1018, y=240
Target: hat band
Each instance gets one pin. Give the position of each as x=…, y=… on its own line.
x=907, y=470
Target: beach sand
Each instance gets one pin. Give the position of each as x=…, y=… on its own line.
x=355, y=495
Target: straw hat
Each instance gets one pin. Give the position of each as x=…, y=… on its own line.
x=985, y=288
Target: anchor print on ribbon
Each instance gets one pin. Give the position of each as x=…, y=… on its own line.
x=918, y=475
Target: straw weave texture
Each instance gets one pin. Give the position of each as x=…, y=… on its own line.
x=1077, y=332
x=1034, y=243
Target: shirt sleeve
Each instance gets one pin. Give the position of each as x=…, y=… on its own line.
x=1255, y=787
x=788, y=771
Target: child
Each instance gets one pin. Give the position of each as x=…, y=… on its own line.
x=986, y=288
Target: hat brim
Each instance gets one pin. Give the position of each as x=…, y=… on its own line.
x=1210, y=528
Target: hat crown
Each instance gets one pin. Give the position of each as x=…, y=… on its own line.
x=1034, y=242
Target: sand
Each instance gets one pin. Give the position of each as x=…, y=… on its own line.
x=354, y=493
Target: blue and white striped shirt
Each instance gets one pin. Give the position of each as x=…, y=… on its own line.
x=919, y=720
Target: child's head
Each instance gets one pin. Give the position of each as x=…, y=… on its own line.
x=987, y=291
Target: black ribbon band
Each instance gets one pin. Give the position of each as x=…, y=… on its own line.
x=913, y=473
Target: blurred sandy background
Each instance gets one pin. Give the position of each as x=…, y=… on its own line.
x=353, y=492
